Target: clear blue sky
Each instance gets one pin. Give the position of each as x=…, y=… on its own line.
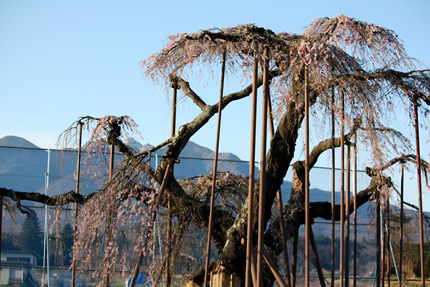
x=60, y=60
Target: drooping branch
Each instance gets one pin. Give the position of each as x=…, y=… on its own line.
x=411, y=84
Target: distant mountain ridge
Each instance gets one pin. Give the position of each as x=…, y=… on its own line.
x=14, y=141
x=24, y=169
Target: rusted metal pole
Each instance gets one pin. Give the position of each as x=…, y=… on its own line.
x=378, y=241
x=401, y=227
x=153, y=217
x=215, y=167
x=307, y=215
x=109, y=219
x=317, y=258
x=294, y=261
x=280, y=204
x=168, y=279
x=1, y=227
x=261, y=201
x=249, y=233
x=355, y=210
x=333, y=190
x=388, y=240
x=384, y=239
x=420, y=194
x=347, y=212
x=78, y=180
x=273, y=267
x=111, y=161
x=342, y=190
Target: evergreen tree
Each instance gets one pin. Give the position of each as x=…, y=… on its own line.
x=31, y=237
x=67, y=238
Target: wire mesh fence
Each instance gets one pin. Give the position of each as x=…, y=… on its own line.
x=36, y=250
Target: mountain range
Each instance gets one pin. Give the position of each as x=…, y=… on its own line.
x=23, y=167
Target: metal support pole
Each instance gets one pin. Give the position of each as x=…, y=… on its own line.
x=251, y=177
x=420, y=200
x=215, y=167
x=153, y=218
x=294, y=261
x=111, y=161
x=78, y=180
x=388, y=240
x=273, y=267
x=46, y=274
x=384, y=238
x=378, y=241
x=401, y=227
x=347, y=212
x=342, y=190
x=316, y=257
x=280, y=204
x=109, y=219
x=355, y=211
x=261, y=203
x=333, y=190
x=169, y=213
x=307, y=215
x=1, y=228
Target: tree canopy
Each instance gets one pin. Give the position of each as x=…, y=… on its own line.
x=353, y=69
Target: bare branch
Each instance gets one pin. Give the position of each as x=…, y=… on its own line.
x=188, y=91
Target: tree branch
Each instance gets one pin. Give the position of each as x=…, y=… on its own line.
x=188, y=91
